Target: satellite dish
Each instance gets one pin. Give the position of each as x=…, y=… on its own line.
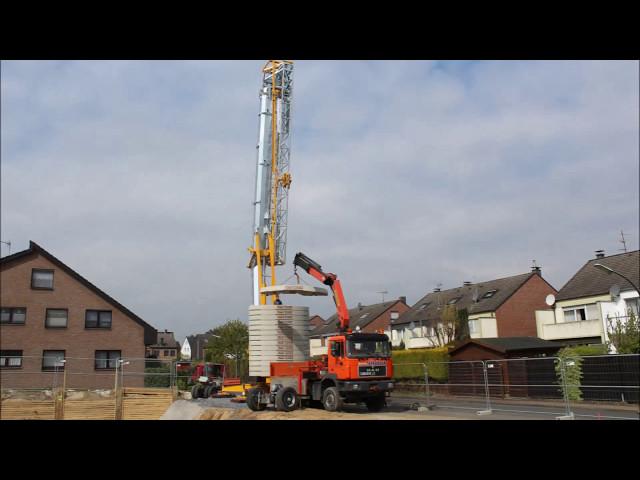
x=614, y=291
x=550, y=300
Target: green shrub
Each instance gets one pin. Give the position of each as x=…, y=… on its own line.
x=161, y=380
x=429, y=356
x=183, y=379
x=573, y=367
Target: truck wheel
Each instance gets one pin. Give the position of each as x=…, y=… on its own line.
x=195, y=391
x=207, y=391
x=286, y=399
x=374, y=404
x=253, y=397
x=331, y=400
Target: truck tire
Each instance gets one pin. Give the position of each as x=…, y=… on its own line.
x=207, y=391
x=375, y=404
x=331, y=400
x=287, y=399
x=253, y=395
x=195, y=391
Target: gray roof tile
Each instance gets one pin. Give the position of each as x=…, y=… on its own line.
x=435, y=301
x=590, y=281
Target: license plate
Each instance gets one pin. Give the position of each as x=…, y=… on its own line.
x=372, y=370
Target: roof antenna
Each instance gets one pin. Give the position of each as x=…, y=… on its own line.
x=9, y=245
x=383, y=293
x=623, y=242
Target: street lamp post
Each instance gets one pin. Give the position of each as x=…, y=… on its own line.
x=608, y=270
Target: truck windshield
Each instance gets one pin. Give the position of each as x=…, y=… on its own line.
x=368, y=348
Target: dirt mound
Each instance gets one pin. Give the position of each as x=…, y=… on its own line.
x=303, y=414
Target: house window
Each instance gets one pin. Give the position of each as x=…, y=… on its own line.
x=42, y=279
x=395, y=315
x=14, y=316
x=581, y=312
x=107, y=359
x=633, y=305
x=97, y=319
x=453, y=300
x=364, y=315
x=10, y=358
x=489, y=294
x=473, y=326
x=52, y=360
x=166, y=353
x=56, y=318
x=424, y=305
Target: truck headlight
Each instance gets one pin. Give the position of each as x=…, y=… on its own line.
x=390, y=385
x=356, y=386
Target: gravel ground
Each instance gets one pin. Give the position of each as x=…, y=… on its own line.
x=223, y=409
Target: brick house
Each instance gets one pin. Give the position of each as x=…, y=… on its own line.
x=165, y=348
x=197, y=344
x=316, y=321
x=370, y=318
x=51, y=313
x=503, y=307
x=592, y=298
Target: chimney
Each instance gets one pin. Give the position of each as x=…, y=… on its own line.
x=403, y=299
x=467, y=284
x=599, y=253
x=535, y=268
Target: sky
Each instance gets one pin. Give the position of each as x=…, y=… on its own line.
x=406, y=174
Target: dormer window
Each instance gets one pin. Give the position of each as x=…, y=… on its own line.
x=489, y=294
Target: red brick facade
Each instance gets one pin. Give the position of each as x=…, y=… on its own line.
x=516, y=317
x=382, y=321
x=78, y=342
x=316, y=321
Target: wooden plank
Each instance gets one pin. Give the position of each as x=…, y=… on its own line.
x=90, y=409
x=25, y=409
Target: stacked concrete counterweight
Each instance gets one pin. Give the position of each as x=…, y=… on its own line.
x=277, y=333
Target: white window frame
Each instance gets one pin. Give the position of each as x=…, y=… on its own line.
x=575, y=308
x=474, y=325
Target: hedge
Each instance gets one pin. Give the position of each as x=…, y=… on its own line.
x=429, y=356
x=161, y=380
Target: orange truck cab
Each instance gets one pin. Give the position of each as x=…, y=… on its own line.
x=356, y=369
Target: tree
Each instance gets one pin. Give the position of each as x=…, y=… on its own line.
x=453, y=326
x=624, y=334
x=232, y=338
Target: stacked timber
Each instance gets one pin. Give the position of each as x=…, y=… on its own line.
x=277, y=333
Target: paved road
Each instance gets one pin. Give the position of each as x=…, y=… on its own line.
x=516, y=409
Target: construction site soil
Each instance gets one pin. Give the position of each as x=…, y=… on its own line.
x=303, y=414
x=223, y=409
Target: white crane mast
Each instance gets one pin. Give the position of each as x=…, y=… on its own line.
x=272, y=176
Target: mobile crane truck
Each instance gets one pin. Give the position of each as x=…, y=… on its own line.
x=356, y=369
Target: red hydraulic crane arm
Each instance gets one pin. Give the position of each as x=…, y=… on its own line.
x=330, y=279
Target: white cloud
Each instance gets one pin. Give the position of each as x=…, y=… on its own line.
x=405, y=174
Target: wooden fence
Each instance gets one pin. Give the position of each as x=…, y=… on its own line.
x=146, y=403
x=127, y=404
